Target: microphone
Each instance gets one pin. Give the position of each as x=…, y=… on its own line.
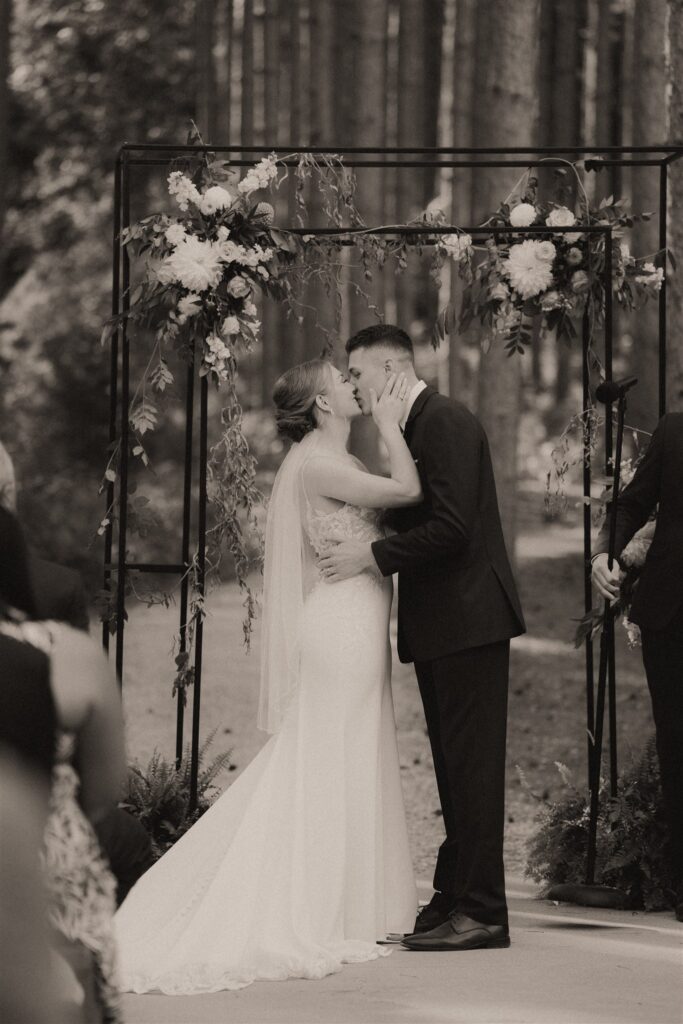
x=612, y=390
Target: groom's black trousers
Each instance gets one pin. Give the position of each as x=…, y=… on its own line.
x=465, y=702
x=663, y=660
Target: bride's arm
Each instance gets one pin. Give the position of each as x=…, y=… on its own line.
x=333, y=478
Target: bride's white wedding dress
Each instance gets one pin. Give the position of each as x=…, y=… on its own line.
x=304, y=862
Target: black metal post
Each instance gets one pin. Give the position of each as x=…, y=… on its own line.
x=616, y=468
x=185, y=547
x=663, y=202
x=113, y=386
x=587, y=523
x=201, y=581
x=606, y=668
x=124, y=435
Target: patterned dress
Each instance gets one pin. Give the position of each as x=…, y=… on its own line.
x=81, y=888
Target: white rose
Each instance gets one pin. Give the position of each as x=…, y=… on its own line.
x=231, y=325
x=551, y=300
x=522, y=215
x=579, y=281
x=574, y=257
x=238, y=287
x=174, y=234
x=214, y=199
x=500, y=292
x=223, y=233
x=560, y=217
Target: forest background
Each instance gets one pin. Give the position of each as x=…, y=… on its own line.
x=78, y=78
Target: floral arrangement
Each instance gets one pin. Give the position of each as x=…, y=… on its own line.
x=200, y=270
x=556, y=274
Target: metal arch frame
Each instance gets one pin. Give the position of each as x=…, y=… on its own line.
x=159, y=154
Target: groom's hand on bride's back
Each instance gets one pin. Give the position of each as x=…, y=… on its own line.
x=346, y=558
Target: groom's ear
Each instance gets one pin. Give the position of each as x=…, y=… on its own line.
x=388, y=366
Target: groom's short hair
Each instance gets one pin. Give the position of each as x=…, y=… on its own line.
x=387, y=335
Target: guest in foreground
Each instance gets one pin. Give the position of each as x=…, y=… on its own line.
x=87, y=778
x=657, y=606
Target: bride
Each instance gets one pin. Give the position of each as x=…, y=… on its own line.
x=303, y=863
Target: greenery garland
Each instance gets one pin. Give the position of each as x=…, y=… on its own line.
x=201, y=268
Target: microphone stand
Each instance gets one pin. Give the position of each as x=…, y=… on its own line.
x=589, y=894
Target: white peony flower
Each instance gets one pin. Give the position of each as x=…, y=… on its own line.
x=230, y=325
x=214, y=199
x=522, y=215
x=459, y=247
x=189, y=306
x=579, y=281
x=185, y=192
x=196, y=264
x=529, y=267
x=238, y=287
x=175, y=233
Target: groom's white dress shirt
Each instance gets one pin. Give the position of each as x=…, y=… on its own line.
x=414, y=392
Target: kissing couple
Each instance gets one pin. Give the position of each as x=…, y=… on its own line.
x=303, y=864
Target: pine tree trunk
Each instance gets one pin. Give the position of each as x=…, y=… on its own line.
x=649, y=128
x=248, y=74
x=5, y=22
x=675, y=280
x=271, y=327
x=206, y=77
x=322, y=95
x=603, y=93
x=461, y=186
x=507, y=116
x=411, y=131
x=225, y=35
x=368, y=125
x=565, y=130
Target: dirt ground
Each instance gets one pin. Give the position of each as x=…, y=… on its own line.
x=547, y=689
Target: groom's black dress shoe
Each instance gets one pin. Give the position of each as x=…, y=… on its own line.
x=435, y=913
x=458, y=933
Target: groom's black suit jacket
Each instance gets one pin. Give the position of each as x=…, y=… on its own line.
x=658, y=480
x=456, y=588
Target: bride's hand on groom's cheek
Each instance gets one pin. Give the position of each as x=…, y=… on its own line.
x=344, y=559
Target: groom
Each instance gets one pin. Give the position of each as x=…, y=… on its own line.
x=458, y=608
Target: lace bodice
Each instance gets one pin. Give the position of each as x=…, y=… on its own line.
x=348, y=520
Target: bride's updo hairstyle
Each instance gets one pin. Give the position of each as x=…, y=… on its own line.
x=294, y=395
